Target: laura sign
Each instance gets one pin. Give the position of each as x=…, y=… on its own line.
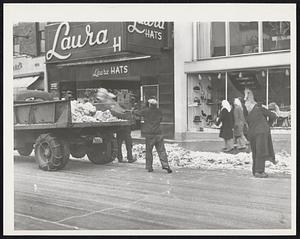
x=69, y=41
x=65, y=41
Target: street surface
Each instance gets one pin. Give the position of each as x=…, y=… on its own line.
x=122, y=196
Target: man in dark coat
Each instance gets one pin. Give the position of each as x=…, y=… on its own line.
x=259, y=135
x=154, y=138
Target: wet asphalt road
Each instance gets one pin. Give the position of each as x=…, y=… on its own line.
x=124, y=196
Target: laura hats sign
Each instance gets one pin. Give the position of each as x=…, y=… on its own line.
x=72, y=40
x=111, y=70
x=144, y=28
x=147, y=37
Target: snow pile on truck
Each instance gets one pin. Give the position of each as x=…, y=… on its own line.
x=86, y=112
x=183, y=158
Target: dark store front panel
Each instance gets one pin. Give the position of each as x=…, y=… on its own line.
x=252, y=79
x=279, y=87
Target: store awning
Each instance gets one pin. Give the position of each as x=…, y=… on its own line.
x=24, y=82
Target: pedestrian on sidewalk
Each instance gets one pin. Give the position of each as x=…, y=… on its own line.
x=226, y=130
x=239, y=123
x=124, y=134
x=259, y=134
x=151, y=129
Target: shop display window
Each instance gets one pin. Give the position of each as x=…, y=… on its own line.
x=205, y=92
x=243, y=37
x=276, y=36
x=280, y=95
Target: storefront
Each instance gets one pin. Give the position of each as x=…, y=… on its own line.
x=134, y=60
x=224, y=59
x=29, y=73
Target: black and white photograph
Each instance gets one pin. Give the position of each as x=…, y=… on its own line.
x=149, y=119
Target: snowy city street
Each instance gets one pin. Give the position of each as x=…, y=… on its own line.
x=205, y=191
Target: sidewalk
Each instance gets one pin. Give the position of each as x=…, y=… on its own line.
x=211, y=142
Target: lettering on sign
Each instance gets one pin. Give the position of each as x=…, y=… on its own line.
x=69, y=42
x=142, y=28
x=112, y=70
x=53, y=86
x=18, y=66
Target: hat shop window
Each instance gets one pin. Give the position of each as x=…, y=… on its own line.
x=204, y=93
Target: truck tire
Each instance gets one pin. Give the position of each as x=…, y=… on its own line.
x=101, y=153
x=51, y=153
x=25, y=150
x=77, y=150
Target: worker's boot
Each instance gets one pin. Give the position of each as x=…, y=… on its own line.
x=169, y=170
x=132, y=160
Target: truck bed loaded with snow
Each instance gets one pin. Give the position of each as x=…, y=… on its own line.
x=56, y=129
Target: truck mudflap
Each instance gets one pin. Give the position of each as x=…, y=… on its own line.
x=105, y=152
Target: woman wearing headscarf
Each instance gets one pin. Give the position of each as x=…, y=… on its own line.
x=239, y=122
x=259, y=134
x=226, y=130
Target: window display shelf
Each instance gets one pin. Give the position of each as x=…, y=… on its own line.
x=195, y=104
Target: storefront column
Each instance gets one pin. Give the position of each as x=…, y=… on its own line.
x=226, y=85
x=260, y=37
x=267, y=87
x=195, y=41
x=183, y=40
x=227, y=39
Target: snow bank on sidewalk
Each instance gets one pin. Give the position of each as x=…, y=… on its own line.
x=183, y=158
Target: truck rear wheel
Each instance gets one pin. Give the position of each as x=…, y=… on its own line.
x=102, y=153
x=25, y=150
x=51, y=153
x=77, y=150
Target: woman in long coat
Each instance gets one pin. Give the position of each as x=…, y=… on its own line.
x=259, y=135
x=226, y=130
x=239, y=123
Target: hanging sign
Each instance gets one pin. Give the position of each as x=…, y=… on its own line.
x=68, y=41
x=28, y=65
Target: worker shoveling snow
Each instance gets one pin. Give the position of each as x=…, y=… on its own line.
x=182, y=158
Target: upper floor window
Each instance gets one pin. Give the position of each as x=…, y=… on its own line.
x=211, y=39
x=243, y=37
x=41, y=37
x=218, y=43
x=276, y=36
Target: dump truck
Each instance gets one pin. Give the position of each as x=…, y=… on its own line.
x=45, y=125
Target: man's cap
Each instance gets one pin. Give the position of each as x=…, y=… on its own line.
x=152, y=101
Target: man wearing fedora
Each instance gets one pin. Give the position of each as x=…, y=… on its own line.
x=154, y=138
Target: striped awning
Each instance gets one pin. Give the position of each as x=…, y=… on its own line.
x=24, y=82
